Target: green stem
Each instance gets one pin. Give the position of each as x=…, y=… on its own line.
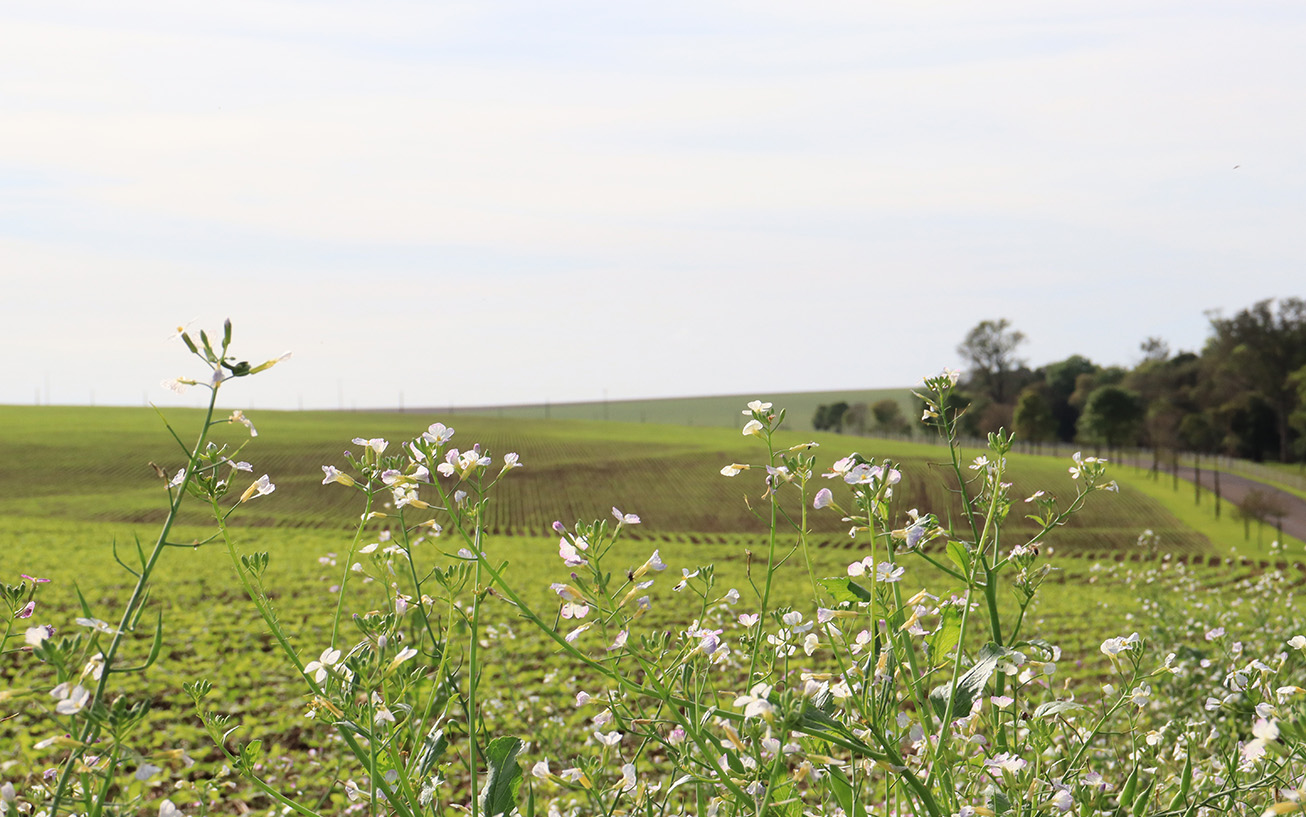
x=91, y=729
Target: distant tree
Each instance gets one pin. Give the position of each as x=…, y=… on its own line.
x=1111, y=416
x=1060, y=379
x=855, y=419
x=1155, y=350
x=819, y=421
x=1161, y=421
x=889, y=418
x=1298, y=418
x=1033, y=420
x=990, y=350
x=1261, y=347
x=830, y=418
x=1198, y=432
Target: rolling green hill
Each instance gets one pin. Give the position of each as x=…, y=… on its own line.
x=93, y=464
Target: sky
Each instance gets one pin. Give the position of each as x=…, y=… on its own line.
x=452, y=204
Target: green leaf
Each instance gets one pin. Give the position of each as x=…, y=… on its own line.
x=504, y=779
x=1047, y=710
x=946, y=636
x=970, y=685
x=999, y=803
x=843, y=793
x=959, y=555
x=842, y=588
x=433, y=747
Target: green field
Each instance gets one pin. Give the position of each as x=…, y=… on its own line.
x=714, y=411
x=93, y=465
x=75, y=481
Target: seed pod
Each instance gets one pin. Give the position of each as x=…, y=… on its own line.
x=1127, y=791
x=1185, y=784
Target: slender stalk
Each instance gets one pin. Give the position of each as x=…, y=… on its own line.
x=91, y=728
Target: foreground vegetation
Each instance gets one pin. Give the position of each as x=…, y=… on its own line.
x=913, y=675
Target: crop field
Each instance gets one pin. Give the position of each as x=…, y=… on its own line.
x=76, y=482
x=94, y=465
x=715, y=411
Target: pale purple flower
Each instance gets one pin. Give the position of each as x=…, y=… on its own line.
x=625, y=518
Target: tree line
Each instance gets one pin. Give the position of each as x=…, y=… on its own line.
x=1243, y=394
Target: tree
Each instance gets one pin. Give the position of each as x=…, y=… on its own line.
x=829, y=418
x=889, y=418
x=1155, y=350
x=1060, y=378
x=990, y=350
x=1033, y=419
x=1260, y=348
x=855, y=418
x=1111, y=416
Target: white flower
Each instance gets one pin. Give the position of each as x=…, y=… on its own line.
x=35, y=636
x=654, y=563
x=755, y=703
x=376, y=444
x=146, y=771
x=167, y=809
x=438, y=434
x=238, y=416
x=823, y=499
x=610, y=739
x=625, y=518
x=260, y=487
x=1007, y=762
x=382, y=712
x=1114, y=646
x=628, y=781
x=755, y=407
x=1297, y=642
x=323, y=665
x=733, y=469
x=567, y=552
x=71, y=701
x=97, y=625
x=754, y=428
x=332, y=474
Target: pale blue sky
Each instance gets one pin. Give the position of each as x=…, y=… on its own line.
x=494, y=202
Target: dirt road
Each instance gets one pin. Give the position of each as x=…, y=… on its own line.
x=1234, y=488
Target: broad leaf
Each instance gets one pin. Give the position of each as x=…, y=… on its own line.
x=844, y=794
x=842, y=588
x=945, y=637
x=969, y=686
x=503, y=778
